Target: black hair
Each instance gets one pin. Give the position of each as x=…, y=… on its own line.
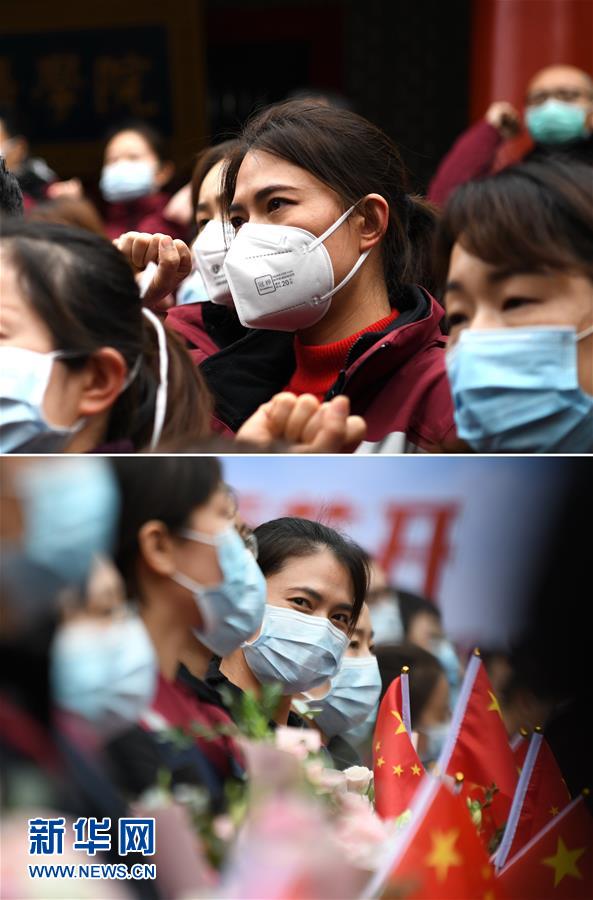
x=536, y=216
x=354, y=158
x=11, y=196
x=166, y=488
x=206, y=160
x=425, y=671
x=289, y=537
x=153, y=138
x=84, y=291
x=411, y=605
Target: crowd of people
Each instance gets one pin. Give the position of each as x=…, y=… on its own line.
x=295, y=295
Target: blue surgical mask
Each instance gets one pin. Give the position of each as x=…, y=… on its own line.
x=435, y=741
x=105, y=673
x=516, y=390
x=360, y=734
x=352, y=697
x=127, y=180
x=70, y=510
x=446, y=655
x=233, y=610
x=298, y=650
x=386, y=621
x=24, y=377
x=192, y=290
x=556, y=122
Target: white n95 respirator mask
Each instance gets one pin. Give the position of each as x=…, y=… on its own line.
x=281, y=277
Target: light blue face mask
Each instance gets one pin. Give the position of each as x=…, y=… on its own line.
x=127, y=180
x=362, y=733
x=352, y=697
x=516, y=390
x=556, y=122
x=298, y=650
x=70, y=514
x=233, y=610
x=386, y=621
x=192, y=290
x=446, y=655
x=24, y=377
x=105, y=673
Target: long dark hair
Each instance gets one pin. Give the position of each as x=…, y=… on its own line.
x=84, y=291
x=165, y=488
x=354, y=158
x=206, y=160
x=289, y=537
x=534, y=216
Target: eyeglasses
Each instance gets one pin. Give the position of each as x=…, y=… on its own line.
x=566, y=95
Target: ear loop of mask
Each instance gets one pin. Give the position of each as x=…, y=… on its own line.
x=160, y=407
x=323, y=237
x=584, y=334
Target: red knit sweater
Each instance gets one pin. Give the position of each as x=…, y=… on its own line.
x=318, y=366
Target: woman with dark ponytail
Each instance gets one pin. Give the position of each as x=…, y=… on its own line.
x=83, y=366
x=331, y=267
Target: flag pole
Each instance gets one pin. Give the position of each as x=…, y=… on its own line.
x=469, y=679
x=518, y=799
x=406, y=714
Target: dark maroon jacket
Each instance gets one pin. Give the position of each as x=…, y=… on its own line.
x=205, y=327
x=471, y=156
x=142, y=214
x=474, y=155
x=396, y=379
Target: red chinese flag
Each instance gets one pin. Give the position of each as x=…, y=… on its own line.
x=479, y=747
x=545, y=797
x=557, y=863
x=441, y=855
x=397, y=767
x=519, y=746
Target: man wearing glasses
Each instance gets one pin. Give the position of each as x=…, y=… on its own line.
x=558, y=115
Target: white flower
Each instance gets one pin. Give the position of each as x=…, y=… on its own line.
x=358, y=779
x=298, y=741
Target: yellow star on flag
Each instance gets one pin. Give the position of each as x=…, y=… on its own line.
x=401, y=727
x=554, y=810
x=380, y=762
x=494, y=707
x=443, y=854
x=564, y=862
x=378, y=746
x=486, y=872
x=397, y=770
x=489, y=895
x=415, y=769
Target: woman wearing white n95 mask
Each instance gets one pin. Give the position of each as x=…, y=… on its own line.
x=316, y=581
x=205, y=315
x=328, y=253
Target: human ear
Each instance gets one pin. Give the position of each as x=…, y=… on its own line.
x=102, y=381
x=156, y=548
x=164, y=173
x=373, y=220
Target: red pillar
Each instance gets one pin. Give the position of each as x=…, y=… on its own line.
x=513, y=39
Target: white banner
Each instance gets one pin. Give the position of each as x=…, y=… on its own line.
x=461, y=530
